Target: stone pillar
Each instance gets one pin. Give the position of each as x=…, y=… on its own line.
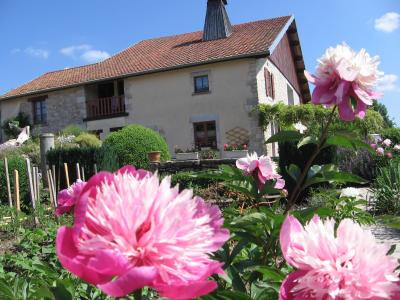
x=46, y=143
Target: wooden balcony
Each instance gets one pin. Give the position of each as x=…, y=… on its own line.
x=104, y=108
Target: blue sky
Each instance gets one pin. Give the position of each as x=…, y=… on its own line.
x=41, y=36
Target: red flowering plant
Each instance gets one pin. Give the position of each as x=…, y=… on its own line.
x=235, y=147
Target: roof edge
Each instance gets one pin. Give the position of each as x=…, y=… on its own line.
x=281, y=34
x=251, y=55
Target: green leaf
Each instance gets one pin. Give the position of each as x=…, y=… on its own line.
x=269, y=273
x=229, y=295
x=347, y=141
x=5, y=291
x=285, y=136
x=294, y=171
x=307, y=140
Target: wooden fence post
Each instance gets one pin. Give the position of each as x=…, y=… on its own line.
x=66, y=174
x=8, y=181
x=16, y=191
x=78, y=172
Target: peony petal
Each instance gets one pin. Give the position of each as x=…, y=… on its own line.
x=134, y=172
x=134, y=279
x=108, y=262
x=190, y=291
x=242, y=163
x=323, y=94
x=280, y=184
x=342, y=91
x=290, y=227
x=288, y=284
x=362, y=95
x=73, y=261
x=346, y=111
x=311, y=78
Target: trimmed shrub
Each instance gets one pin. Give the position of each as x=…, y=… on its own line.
x=133, y=142
x=87, y=140
x=15, y=162
x=72, y=129
x=107, y=159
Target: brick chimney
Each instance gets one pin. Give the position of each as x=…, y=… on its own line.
x=217, y=25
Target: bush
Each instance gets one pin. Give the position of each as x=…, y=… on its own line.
x=188, y=180
x=387, y=189
x=361, y=163
x=133, y=142
x=15, y=162
x=74, y=130
x=21, y=121
x=87, y=140
x=107, y=159
x=391, y=133
x=290, y=154
x=86, y=157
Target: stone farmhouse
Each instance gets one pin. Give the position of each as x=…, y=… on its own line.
x=196, y=89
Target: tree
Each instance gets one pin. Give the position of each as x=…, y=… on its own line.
x=381, y=108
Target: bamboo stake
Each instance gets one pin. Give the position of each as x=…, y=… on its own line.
x=95, y=168
x=83, y=173
x=8, y=182
x=38, y=185
x=66, y=174
x=34, y=185
x=33, y=200
x=78, y=172
x=53, y=171
x=50, y=186
x=53, y=190
x=16, y=190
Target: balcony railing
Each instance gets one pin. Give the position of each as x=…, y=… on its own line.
x=105, y=107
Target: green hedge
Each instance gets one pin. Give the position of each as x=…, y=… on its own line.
x=86, y=157
x=15, y=162
x=133, y=142
x=187, y=181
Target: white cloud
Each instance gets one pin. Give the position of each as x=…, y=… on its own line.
x=85, y=52
x=37, y=52
x=92, y=56
x=388, y=83
x=388, y=22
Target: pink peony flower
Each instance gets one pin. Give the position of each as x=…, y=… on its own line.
x=132, y=231
x=346, y=79
x=387, y=143
x=261, y=168
x=397, y=147
x=380, y=151
x=374, y=146
x=347, y=265
x=389, y=155
x=67, y=198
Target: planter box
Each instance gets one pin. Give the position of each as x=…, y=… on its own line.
x=187, y=156
x=235, y=154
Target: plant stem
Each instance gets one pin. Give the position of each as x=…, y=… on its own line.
x=138, y=294
x=297, y=190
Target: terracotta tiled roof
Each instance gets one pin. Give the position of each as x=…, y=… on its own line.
x=162, y=54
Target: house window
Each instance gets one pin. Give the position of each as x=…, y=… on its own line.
x=205, y=134
x=269, y=83
x=39, y=111
x=201, y=84
x=290, y=95
x=97, y=132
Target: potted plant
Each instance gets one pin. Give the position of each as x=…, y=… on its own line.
x=154, y=156
x=188, y=154
x=235, y=151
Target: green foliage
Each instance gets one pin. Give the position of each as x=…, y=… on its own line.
x=21, y=121
x=341, y=207
x=74, y=130
x=133, y=142
x=107, y=159
x=391, y=133
x=382, y=110
x=87, y=140
x=190, y=180
x=387, y=189
x=313, y=116
x=85, y=156
x=15, y=162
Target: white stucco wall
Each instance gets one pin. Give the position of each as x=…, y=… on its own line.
x=165, y=101
x=281, y=94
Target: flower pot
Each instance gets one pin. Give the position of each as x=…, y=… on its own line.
x=235, y=154
x=154, y=156
x=187, y=156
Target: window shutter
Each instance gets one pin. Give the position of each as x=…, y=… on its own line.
x=267, y=82
x=272, y=86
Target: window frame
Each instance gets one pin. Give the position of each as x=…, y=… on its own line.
x=290, y=92
x=201, y=90
x=269, y=84
x=206, y=138
x=43, y=110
